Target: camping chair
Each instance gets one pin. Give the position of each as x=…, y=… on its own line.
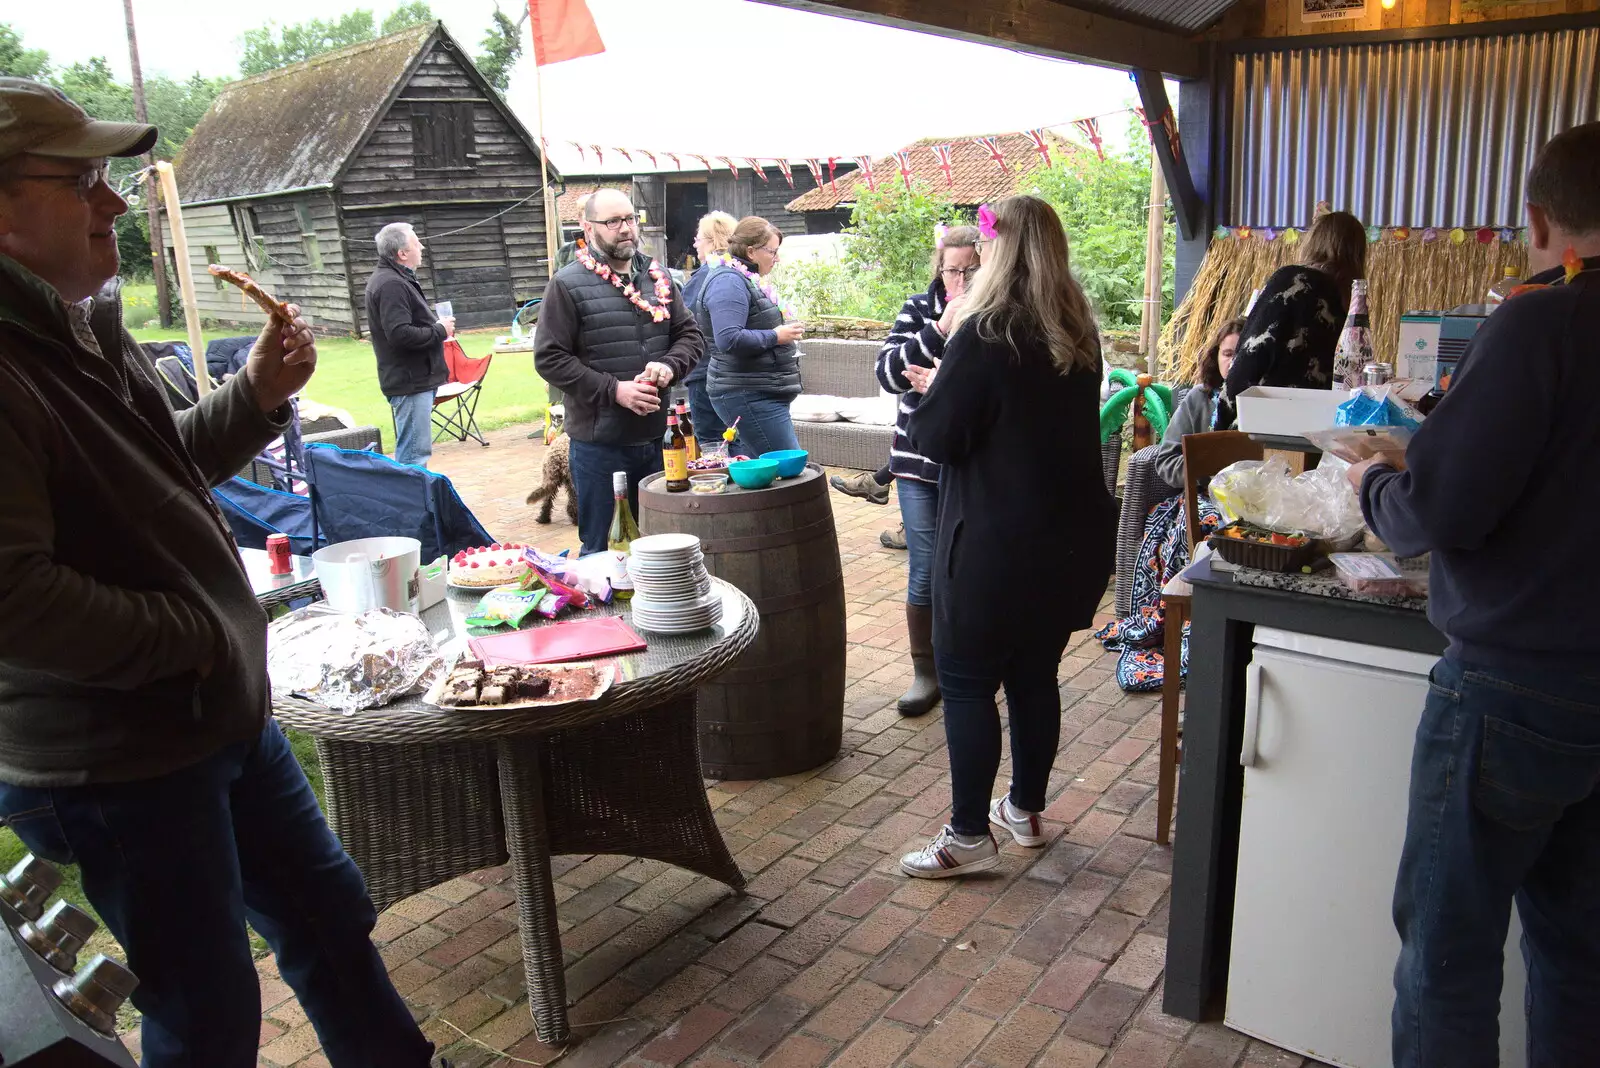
x=455, y=404
x=368, y=495
x=1203, y=456
x=253, y=512
x=178, y=380
x=226, y=356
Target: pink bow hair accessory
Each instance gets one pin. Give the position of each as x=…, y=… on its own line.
x=939, y=232
x=986, y=222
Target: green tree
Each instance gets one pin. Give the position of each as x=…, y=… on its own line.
x=17, y=61
x=405, y=16
x=502, y=46
x=271, y=46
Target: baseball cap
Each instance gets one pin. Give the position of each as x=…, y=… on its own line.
x=39, y=118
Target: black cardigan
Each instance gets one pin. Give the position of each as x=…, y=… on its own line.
x=1025, y=539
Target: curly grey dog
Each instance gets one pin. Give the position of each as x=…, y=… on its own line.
x=556, y=474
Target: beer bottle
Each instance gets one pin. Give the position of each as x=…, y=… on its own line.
x=687, y=427
x=675, y=456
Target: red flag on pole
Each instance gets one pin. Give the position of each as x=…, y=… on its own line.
x=1040, y=145
x=1090, y=128
x=563, y=30
x=992, y=145
x=865, y=163
x=815, y=167
x=942, y=154
x=788, y=171
x=732, y=166
x=905, y=167
x=755, y=165
x=833, y=182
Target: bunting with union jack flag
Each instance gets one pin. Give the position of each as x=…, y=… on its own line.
x=732, y=166
x=1040, y=145
x=1090, y=128
x=942, y=154
x=992, y=146
x=702, y=159
x=624, y=153
x=788, y=171
x=905, y=167
x=815, y=167
x=651, y=155
x=755, y=165
x=599, y=156
x=865, y=163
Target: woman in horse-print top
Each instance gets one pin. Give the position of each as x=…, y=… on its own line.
x=1292, y=331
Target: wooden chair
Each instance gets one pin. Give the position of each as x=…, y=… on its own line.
x=1203, y=456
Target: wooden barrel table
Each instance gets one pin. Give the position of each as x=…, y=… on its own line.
x=779, y=709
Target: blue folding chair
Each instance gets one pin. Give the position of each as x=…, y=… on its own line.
x=255, y=511
x=368, y=495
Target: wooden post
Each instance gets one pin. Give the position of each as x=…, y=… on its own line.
x=180, y=249
x=158, y=257
x=552, y=219
x=1155, y=227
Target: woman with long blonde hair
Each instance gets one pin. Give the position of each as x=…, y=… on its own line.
x=710, y=239
x=1012, y=418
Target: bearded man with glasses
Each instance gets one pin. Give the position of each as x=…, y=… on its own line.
x=614, y=335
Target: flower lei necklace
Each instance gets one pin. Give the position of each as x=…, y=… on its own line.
x=659, y=312
x=768, y=290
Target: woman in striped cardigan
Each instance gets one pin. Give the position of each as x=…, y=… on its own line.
x=905, y=366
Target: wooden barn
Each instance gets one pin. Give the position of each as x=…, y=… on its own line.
x=975, y=176
x=291, y=173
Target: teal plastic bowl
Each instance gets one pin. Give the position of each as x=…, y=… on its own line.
x=753, y=474
x=790, y=461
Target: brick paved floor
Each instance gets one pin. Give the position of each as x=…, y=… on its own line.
x=833, y=957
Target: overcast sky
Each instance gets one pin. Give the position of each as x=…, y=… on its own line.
x=802, y=85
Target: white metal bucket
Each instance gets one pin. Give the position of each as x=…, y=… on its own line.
x=370, y=573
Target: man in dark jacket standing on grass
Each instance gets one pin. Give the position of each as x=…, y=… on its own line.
x=408, y=340
x=614, y=335
x=135, y=731
x=1498, y=485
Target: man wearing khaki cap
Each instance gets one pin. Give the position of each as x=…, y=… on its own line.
x=135, y=737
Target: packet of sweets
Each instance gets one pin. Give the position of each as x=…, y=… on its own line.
x=505, y=606
x=551, y=606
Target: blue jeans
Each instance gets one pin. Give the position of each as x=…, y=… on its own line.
x=919, y=508
x=413, y=428
x=176, y=865
x=1504, y=803
x=592, y=464
x=969, y=681
x=764, y=423
x=708, y=425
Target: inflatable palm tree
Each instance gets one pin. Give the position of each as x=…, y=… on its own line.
x=1149, y=402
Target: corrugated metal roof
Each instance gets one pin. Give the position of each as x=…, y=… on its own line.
x=975, y=176
x=1185, y=16
x=294, y=127
x=1408, y=133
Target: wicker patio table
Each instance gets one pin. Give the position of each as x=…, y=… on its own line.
x=419, y=796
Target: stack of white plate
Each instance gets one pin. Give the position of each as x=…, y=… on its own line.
x=672, y=594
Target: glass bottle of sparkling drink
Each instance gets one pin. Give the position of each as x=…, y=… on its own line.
x=1355, y=342
x=623, y=527
x=675, y=456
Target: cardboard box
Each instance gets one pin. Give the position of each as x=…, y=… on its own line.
x=1419, y=345
x=1285, y=412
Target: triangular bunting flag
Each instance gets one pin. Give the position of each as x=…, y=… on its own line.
x=865, y=163
x=992, y=146
x=942, y=154
x=905, y=167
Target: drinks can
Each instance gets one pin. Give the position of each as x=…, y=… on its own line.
x=278, y=554
x=1376, y=374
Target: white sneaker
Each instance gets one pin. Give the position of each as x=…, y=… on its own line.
x=1025, y=827
x=945, y=856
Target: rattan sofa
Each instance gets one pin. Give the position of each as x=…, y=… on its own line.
x=842, y=368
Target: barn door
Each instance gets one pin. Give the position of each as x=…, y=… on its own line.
x=470, y=268
x=736, y=196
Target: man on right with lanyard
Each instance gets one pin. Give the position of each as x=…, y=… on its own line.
x=613, y=335
x=1498, y=485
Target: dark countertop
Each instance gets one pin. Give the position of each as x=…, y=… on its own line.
x=1326, y=583
x=1225, y=610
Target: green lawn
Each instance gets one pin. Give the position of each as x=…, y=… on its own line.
x=347, y=374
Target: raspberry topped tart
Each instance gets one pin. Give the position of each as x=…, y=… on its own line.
x=489, y=565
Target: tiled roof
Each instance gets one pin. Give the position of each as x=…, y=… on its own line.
x=975, y=177
x=567, y=202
